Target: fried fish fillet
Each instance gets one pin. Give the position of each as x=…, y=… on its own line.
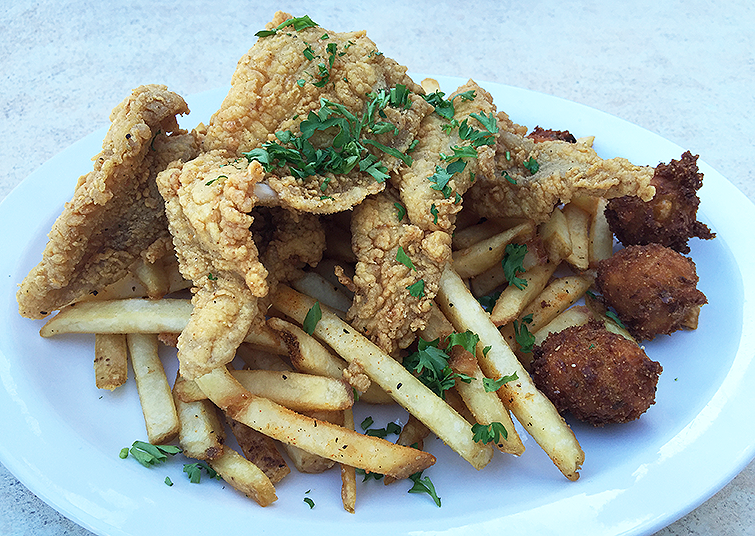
x=533, y=177
x=116, y=216
x=397, y=273
x=432, y=203
x=286, y=77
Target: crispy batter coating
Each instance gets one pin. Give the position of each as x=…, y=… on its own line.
x=210, y=224
x=116, y=215
x=428, y=207
x=562, y=170
x=652, y=288
x=670, y=218
x=280, y=81
x=383, y=307
x=598, y=376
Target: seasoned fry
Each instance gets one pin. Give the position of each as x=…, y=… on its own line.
x=486, y=407
x=260, y=450
x=297, y=391
x=308, y=355
x=348, y=473
x=201, y=435
x=533, y=410
x=555, y=236
x=315, y=285
x=137, y=315
x=406, y=389
x=319, y=437
x=110, y=360
x=513, y=300
x=485, y=254
x=601, y=237
x=244, y=476
x=578, y=222
x=159, y=410
x=475, y=233
x=574, y=316
x=154, y=278
x=559, y=295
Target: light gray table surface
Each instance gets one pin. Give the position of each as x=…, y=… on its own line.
x=684, y=70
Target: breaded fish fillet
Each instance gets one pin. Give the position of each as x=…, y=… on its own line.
x=116, y=216
x=293, y=73
x=533, y=177
x=397, y=273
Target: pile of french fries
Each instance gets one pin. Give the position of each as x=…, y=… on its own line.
x=296, y=390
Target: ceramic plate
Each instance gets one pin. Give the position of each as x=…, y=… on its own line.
x=61, y=436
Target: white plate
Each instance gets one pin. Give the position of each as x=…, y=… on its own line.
x=61, y=436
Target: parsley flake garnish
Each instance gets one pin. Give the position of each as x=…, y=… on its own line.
x=404, y=259
x=493, y=385
x=488, y=301
x=531, y=165
x=310, y=502
x=148, y=454
x=417, y=289
x=522, y=335
x=401, y=211
x=298, y=23
x=434, y=212
x=194, y=471
x=512, y=262
x=485, y=433
x=313, y=317
x=424, y=485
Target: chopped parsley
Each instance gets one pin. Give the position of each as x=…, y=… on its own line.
x=493, y=385
x=485, y=433
x=512, y=262
x=531, y=165
x=417, y=289
x=194, y=471
x=404, y=259
x=424, y=485
x=401, y=211
x=298, y=23
x=430, y=364
x=522, y=335
x=488, y=301
x=310, y=502
x=313, y=317
x=434, y=212
x=148, y=454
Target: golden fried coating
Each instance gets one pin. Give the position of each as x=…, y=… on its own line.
x=532, y=177
x=598, y=376
x=652, y=288
x=384, y=308
x=670, y=218
x=286, y=76
x=541, y=134
x=116, y=216
x=428, y=206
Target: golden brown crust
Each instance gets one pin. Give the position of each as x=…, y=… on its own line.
x=116, y=215
x=598, y=376
x=652, y=288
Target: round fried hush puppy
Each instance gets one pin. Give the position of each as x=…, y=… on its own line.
x=652, y=288
x=598, y=376
x=670, y=218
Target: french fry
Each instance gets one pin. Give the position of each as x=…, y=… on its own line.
x=533, y=410
x=137, y=315
x=156, y=399
x=260, y=450
x=131, y=287
x=348, y=473
x=244, y=476
x=559, y=295
x=297, y=391
x=201, y=435
x=486, y=407
x=430, y=85
x=555, y=236
x=578, y=222
x=475, y=233
x=483, y=255
x=601, y=237
x=315, y=285
x=573, y=316
x=188, y=391
x=308, y=355
x=153, y=277
x=513, y=300
x=110, y=360
x=395, y=380
x=319, y=437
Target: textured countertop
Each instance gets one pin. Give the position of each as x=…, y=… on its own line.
x=684, y=70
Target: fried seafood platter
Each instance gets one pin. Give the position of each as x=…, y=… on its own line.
x=339, y=236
